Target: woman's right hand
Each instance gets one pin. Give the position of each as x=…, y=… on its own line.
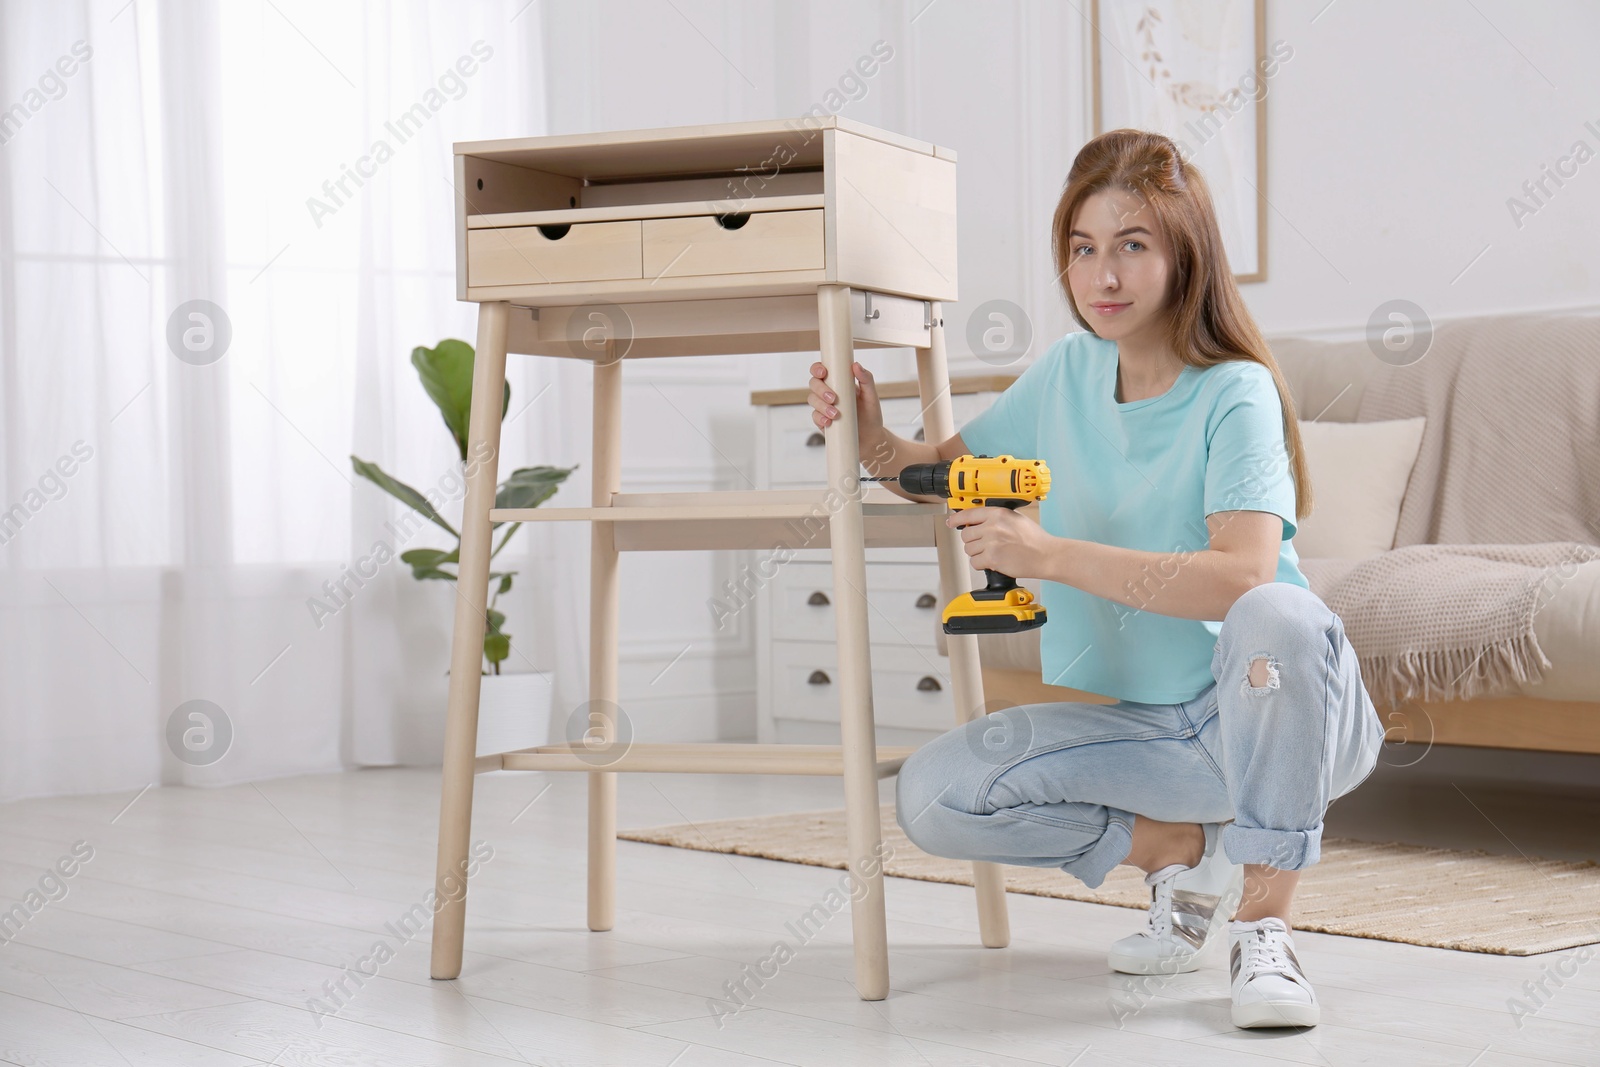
x=824, y=402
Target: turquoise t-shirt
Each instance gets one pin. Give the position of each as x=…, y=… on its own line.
x=1141, y=475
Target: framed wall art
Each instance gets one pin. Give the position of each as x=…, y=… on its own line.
x=1197, y=71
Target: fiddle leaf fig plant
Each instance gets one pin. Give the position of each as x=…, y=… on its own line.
x=446, y=373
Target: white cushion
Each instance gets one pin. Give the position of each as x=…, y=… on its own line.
x=1359, y=472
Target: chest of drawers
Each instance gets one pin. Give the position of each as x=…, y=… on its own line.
x=795, y=637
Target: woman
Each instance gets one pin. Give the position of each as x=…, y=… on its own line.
x=1177, y=482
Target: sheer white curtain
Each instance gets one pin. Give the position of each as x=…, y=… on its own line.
x=166, y=516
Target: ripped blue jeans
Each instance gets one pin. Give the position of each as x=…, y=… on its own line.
x=1058, y=784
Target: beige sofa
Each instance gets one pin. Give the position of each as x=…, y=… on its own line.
x=1559, y=713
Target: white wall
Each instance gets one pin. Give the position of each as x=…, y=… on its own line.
x=1397, y=134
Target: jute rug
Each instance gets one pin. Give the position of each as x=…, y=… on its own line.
x=1471, y=901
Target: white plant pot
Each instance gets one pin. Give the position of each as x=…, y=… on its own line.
x=514, y=712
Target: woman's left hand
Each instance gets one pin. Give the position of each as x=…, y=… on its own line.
x=998, y=539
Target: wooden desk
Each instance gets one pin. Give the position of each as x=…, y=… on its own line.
x=753, y=237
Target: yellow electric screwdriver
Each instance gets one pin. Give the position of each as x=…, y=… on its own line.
x=1003, y=607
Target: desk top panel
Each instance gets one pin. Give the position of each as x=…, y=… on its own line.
x=619, y=154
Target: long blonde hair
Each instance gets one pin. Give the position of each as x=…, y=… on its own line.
x=1207, y=318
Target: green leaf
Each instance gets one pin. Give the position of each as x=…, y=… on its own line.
x=528, y=487
x=496, y=647
x=505, y=584
x=494, y=620
x=401, y=492
x=446, y=373
x=424, y=562
x=430, y=556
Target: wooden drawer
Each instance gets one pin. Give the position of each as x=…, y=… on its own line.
x=910, y=686
x=903, y=598
x=763, y=241
x=543, y=255
x=798, y=457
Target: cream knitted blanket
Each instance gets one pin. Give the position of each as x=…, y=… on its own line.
x=1446, y=622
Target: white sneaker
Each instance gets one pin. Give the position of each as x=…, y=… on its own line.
x=1189, y=906
x=1269, y=988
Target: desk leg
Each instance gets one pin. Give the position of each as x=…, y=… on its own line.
x=955, y=578
x=605, y=479
x=846, y=532
x=466, y=649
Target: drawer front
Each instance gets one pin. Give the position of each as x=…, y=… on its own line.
x=699, y=244
x=799, y=458
x=910, y=687
x=903, y=603
x=542, y=255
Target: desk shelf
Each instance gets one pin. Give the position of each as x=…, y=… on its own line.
x=709, y=758
x=620, y=212
x=755, y=519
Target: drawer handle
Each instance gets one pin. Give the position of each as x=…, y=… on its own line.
x=818, y=678
x=816, y=440
x=818, y=599
x=927, y=600
x=733, y=220
x=919, y=435
x=555, y=231
x=929, y=684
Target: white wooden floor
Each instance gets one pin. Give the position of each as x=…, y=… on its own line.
x=208, y=919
